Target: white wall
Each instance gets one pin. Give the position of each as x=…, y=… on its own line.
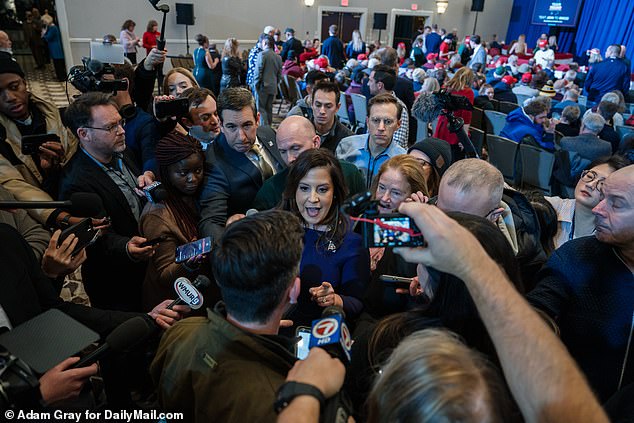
x=245, y=19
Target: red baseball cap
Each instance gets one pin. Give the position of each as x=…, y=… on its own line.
x=431, y=56
x=508, y=79
x=527, y=77
x=543, y=43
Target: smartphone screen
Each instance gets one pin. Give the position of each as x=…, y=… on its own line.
x=391, y=236
x=301, y=348
x=193, y=249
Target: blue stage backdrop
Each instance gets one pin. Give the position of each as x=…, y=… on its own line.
x=601, y=23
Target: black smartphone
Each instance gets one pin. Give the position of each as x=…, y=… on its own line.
x=193, y=249
x=178, y=108
x=301, y=347
x=84, y=231
x=396, y=281
x=30, y=144
x=392, y=230
x=154, y=241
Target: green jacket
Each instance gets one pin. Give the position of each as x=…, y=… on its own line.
x=271, y=192
x=212, y=371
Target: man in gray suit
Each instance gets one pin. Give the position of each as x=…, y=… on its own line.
x=479, y=56
x=268, y=72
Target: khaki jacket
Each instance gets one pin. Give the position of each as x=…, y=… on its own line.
x=24, y=180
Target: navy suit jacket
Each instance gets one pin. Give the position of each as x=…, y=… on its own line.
x=231, y=182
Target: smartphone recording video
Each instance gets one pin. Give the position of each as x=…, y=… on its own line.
x=392, y=230
x=193, y=249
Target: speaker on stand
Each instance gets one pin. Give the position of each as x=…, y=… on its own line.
x=380, y=22
x=476, y=6
x=185, y=16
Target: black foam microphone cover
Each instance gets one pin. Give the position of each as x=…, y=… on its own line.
x=85, y=204
x=426, y=107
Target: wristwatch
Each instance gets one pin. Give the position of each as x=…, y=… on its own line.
x=288, y=391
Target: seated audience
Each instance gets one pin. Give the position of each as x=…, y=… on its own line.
x=291, y=67
x=382, y=80
x=532, y=119
x=524, y=87
x=325, y=99
x=483, y=100
x=435, y=157
x=369, y=151
x=303, y=106
x=503, y=90
x=608, y=110
x=569, y=122
x=335, y=266
x=571, y=98
x=295, y=135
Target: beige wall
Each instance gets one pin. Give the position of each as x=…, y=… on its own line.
x=81, y=20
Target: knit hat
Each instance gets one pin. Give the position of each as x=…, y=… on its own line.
x=509, y=80
x=523, y=68
x=543, y=43
x=8, y=65
x=547, y=90
x=527, y=77
x=499, y=71
x=438, y=151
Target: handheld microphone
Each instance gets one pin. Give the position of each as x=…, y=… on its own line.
x=123, y=338
x=189, y=293
x=155, y=192
x=251, y=212
x=81, y=204
x=332, y=334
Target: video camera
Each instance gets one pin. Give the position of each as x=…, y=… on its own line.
x=89, y=77
x=382, y=230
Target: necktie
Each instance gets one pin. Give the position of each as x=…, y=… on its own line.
x=266, y=170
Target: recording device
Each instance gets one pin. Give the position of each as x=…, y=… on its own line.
x=30, y=144
x=154, y=241
x=332, y=334
x=84, y=204
x=382, y=230
x=18, y=383
x=189, y=293
x=177, y=107
x=155, y=193
x=89, y=77
x=428, y=106
x=124, y=338
x=301, y=347
x=396, y=281
x=193, y=249
x=84, y=232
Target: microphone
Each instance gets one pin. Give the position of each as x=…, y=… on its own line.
x=81, y=204
x=123, y=338
x=155, y=192
x=94, y=66
x=251, y=212
x=332, y=334
x=189, y=293
x=427, y=107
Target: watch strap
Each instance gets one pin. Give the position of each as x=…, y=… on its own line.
x=289, y=390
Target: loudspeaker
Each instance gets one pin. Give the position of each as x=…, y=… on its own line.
x=380, y=21
x=185, y=14
x=477, y=5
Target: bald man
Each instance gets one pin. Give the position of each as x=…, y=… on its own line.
x=587, y=286
x=5, y=43
x=295, y=135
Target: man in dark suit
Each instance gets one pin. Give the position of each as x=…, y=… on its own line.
x=238, y=163
x=115, y=268
x=611, y=74
x=291, y=43
x=267, y=77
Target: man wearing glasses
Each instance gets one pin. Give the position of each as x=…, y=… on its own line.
x=114, y=270
x=369, y=151
x=587, y=286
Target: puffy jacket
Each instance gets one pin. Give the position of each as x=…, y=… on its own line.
x=518, y=125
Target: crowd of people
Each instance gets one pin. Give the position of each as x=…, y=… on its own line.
x=518, y=307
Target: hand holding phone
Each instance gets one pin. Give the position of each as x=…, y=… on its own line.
x=30, y=144
x=193, y=249
x=153, y=241
x=83, y=231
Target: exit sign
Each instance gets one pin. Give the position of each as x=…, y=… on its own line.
x=344, y=2
x=414, y=6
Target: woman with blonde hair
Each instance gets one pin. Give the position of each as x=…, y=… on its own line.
x=231, y=65
x=430, y=85
x=356, y=46
x=459, y=85
x=519, y=47
x=178, y=80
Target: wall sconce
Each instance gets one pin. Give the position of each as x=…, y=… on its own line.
x=309, y=3
x=442, y=6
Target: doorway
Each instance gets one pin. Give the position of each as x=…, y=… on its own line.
x=403, y=24
x=347, y=20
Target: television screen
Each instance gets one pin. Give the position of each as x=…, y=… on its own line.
x=556, y=12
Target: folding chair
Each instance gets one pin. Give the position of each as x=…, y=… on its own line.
x=521, y=98
x=624, y=130
x=342, y=113
x=507, y=107
x=477, y=139
x=537, y=168
x=502, y=153
x=291, y=87
x=360, y=109
x=495, y=122
x=477, y=118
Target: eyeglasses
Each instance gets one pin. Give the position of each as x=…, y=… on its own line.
x=110, y=128
x=589, y=176
x=377, y=121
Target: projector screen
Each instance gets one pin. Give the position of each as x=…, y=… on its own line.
x=556, y=12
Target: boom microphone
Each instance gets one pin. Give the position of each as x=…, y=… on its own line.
x=123, y=338
x=427, y=107
x=81, y=204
